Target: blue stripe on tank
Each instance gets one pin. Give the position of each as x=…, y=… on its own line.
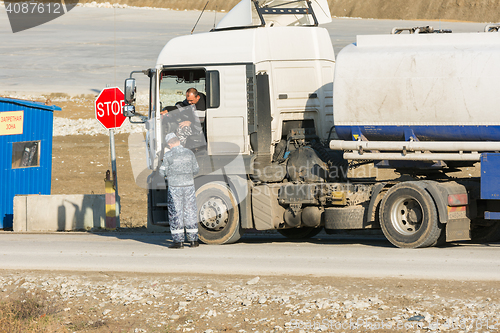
x=423, y=133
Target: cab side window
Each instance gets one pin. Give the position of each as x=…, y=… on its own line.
x=213, y=89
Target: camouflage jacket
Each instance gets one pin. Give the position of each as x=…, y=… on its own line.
x=179, y=166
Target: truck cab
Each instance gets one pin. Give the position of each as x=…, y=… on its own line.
x=259, y=87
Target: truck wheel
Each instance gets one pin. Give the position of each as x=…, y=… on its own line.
x=409, y=217
x=300, y=233
x=218, y=214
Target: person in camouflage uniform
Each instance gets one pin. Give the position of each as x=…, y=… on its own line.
x=179, y=167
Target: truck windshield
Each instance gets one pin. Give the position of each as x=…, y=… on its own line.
x=174, y=83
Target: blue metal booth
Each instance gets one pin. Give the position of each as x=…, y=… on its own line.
x=25, y=152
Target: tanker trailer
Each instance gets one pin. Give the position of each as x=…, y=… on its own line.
x=419, y=102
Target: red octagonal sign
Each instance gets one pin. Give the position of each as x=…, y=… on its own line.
x=108, y=108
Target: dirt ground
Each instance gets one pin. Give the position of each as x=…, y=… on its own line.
x=80, y=162
x=458, y=10
x=121, y=302
x=86, y=159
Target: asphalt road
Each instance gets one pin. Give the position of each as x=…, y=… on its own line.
x=255, y=254
x=88, y=48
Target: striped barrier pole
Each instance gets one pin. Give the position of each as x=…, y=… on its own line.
x=110, y=203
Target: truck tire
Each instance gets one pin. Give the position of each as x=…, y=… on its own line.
x=409, y=218
x=300, y=233
x=218, y=214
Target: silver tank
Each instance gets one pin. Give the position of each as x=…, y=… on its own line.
x=435, y=87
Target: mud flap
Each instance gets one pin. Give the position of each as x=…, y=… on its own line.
x=458, y=229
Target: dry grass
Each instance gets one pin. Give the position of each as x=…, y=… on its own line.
x=28, y=313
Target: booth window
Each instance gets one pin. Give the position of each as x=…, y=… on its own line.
x=25, y=154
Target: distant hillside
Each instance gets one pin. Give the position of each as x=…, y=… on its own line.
x=460, y=10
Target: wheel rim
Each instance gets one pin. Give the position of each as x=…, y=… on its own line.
x=213, y=214
x=407, y=216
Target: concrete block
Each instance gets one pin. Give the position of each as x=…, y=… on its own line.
x=20, y=213
x=59, y=212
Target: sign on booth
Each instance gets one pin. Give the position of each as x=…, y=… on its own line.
x=11, y=122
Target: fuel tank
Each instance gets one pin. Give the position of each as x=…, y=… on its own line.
x=433, y=87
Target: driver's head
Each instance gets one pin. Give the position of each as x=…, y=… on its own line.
x=192, y=96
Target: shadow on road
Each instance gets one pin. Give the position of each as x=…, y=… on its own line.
x=255, y=237
x=373, y=238
x=137, y=234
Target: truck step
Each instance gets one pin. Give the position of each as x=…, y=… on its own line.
x=164, y=223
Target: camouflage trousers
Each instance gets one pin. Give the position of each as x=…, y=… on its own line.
x=181, y=203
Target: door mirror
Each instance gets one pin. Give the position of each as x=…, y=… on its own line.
x=129, y=108
x=130, y=91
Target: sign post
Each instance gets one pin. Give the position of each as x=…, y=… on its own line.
x=108, y=111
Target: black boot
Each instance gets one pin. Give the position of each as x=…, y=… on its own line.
x=194, y=244
x=176, y=245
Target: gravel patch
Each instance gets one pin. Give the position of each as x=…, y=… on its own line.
x=65, y=126
x=207, y=303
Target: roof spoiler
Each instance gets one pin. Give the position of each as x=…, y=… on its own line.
x=269, y=13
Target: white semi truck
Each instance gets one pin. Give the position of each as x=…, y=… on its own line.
x=285, y=120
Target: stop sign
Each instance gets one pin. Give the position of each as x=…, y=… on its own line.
x=108, y=108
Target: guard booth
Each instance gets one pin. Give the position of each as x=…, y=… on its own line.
x=25, y=152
